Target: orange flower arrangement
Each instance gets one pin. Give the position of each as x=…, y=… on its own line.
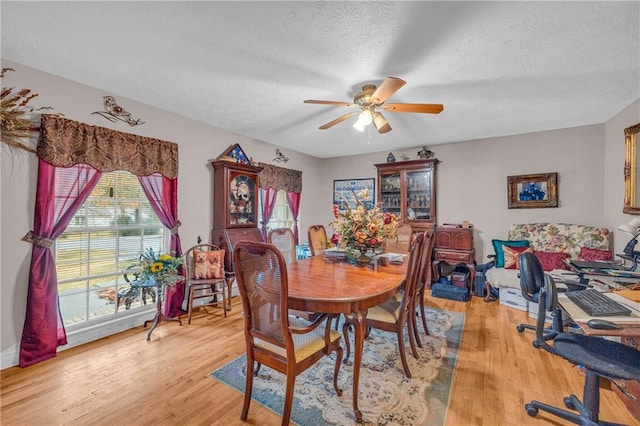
x=359, y=229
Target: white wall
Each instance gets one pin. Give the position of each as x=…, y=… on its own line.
x=472, y=179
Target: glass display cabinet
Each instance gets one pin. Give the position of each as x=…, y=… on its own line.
x=407, y=188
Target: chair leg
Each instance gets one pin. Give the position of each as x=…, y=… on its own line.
x=403, y=355
x=229, y=285
x=336, y=370
x=224, y=297
x=247, y=388
x=190, y=307
x=288, y=398
x=423, y=314
x=345, y=334
x=413, y=336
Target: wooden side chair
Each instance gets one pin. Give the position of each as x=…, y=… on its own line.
x=423, y=282
x=275, y=340
x=396, y=312
x=402, y=241
x=317, y=239
x=205, y=281
x=285, y=241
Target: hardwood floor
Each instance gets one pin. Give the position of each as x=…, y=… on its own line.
x=125, y=380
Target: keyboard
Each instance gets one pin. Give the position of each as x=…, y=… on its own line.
x=596, y=304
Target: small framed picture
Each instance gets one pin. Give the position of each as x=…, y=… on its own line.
x=532, y=191
x=345, y=190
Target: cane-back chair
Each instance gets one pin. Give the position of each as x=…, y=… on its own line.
x=278, y=341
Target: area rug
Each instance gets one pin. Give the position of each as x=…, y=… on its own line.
x=387, y=397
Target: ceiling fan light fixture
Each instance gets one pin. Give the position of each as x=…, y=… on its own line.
x=364, y=119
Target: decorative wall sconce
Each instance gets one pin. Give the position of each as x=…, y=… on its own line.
x=114, y=112
x=280, y=157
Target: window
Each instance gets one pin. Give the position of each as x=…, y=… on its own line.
x=106, y=236
x=281, y=216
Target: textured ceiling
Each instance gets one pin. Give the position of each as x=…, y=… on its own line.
x=499, y=68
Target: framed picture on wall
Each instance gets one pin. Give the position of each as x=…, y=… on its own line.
x=345, y=190
x=532, y=191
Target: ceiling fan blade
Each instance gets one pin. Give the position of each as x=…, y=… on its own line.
x=388, y=87
x=424, y=108
x=336, y=103
x=381, y=123
x=338, y=120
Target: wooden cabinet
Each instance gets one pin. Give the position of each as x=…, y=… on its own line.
x=235, y=205
x=453, y=245
x=407, y=188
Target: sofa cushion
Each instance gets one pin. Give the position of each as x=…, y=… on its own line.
x=587, y=253
x=499, y=244
x=561, y=237
x=512, y=256
x=551, y=261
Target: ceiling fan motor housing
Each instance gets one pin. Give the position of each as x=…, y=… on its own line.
x=364, y=98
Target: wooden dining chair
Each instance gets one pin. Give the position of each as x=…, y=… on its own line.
x=205, y=280
x=284, y=240
x=422, y=283
x=318, y=241
x=396, y=312
x=278, y=341
x=401, y=243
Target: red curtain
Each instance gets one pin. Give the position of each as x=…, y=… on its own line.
x=60, y=193
x=162, y=193
x=267, y=203
x=293, y=199
x=72, y=157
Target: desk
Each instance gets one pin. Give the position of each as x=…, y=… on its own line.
x=316, y=285
x=629, y=335
x=159, y=286
x=630, y=324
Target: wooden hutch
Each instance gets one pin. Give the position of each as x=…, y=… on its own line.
x=235, y=204
x=408, y=189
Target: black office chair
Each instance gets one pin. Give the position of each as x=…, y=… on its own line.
x=532, y=278
x=598, y=356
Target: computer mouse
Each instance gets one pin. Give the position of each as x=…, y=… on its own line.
x=602, y=324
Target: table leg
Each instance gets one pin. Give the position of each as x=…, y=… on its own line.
x=159, y=317
x=358, y=322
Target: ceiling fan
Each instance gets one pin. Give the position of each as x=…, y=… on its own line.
x=372, y=98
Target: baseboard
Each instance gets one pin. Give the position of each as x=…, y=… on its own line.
x=10, y=357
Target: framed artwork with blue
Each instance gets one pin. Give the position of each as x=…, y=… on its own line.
x=532, y=191
x=345, y=191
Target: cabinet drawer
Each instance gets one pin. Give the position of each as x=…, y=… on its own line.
x=453, y=255
x=454, y=238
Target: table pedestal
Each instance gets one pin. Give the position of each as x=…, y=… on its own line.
x=159, y=317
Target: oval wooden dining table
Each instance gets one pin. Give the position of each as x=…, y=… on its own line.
x=331, y=287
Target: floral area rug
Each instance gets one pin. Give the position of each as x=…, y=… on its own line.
x=387, y=397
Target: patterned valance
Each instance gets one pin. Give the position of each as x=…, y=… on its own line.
x=64, y=143
x=280, y=178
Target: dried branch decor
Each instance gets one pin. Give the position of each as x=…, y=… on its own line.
x=16, y=122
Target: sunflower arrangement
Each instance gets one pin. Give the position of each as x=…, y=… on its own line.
x=161, y=267
x=360, y=230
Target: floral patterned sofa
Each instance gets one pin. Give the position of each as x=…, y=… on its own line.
x=552, y=243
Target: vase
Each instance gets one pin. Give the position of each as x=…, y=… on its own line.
x=359, y=254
